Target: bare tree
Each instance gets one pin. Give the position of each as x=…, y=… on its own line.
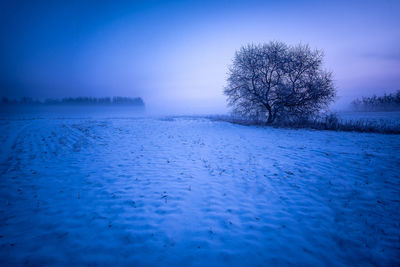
x=276, y=81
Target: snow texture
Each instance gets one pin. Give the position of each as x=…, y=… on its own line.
x=187, y=191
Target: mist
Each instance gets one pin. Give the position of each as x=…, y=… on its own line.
x=199, y=133
x=176, y=55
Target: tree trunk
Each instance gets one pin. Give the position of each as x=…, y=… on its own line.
x=270, y=118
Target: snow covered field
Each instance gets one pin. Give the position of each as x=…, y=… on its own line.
x=183, y=191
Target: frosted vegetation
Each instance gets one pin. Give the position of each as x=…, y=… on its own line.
x=370, y=122
x=387, y=102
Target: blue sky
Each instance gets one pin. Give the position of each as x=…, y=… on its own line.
x=175, y=54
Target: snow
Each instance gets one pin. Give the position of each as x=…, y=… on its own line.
x=190, y=191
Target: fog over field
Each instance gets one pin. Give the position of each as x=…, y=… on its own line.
x=175, y=55
x=199, y=133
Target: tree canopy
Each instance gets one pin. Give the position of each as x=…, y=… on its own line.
x=277, y=81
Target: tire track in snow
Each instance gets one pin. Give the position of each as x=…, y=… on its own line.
x=10, y=147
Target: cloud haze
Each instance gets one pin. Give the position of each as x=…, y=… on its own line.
x=175, y=54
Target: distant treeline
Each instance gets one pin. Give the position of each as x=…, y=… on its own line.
x=117, y=100
x=387, y=102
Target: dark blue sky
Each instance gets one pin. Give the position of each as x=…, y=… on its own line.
x=175, y=53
